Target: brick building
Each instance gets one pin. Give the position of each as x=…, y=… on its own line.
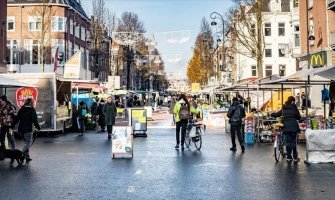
x=317, y=21
x=3, y=39
x=54, y=23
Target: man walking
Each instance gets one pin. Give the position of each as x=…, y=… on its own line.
x=235, y=114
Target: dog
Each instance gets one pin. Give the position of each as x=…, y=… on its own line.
x=13, y=154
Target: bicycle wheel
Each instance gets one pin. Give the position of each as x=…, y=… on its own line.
x=188, y=139
x=277, y=150
x=198, y=140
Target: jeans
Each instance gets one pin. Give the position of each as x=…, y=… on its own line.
x=291, y=145
x=81, y=125
x=27, y=137
x=11, y=139
x=236, y=130
x=181, y=125
x=109, y=129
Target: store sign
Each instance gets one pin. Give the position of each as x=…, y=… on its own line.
x=318, y=60
x=22, y=94
x=72, y=66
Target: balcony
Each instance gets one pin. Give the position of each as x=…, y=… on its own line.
x=331, y=4
x=332, y=39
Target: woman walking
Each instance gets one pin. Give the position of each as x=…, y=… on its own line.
x=109, y=111
x=182, y=111
x=290, y=115
x=27, y=117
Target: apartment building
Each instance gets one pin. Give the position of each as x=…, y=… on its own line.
x=317, y=20
x=37, y=28
x=3, y=35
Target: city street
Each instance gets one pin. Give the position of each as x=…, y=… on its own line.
x=74, y=167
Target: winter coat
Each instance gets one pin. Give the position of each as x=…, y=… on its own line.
x=290, y=115
x=80, y=112
x=177, y=108
x=7, y=114
x=27, y=117
x=235, y=114
x=102, y=120
x=109, y=110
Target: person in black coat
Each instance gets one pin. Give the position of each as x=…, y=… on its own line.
x=291, y=128
x=102, y=119
x=27, y=117
x=235, y=114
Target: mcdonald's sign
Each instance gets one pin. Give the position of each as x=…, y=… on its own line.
x=318, y=60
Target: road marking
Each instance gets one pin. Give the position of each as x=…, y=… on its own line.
x=138, y=172
x=131, y=189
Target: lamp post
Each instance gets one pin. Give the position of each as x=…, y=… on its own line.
x=214, y=16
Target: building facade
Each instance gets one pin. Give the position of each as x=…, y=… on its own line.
x=317, y=20
x=3, y=35
x=37, y=28
x=281, y=43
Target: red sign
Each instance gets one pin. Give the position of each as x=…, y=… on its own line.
x=22, y=94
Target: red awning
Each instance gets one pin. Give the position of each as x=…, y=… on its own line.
x=94, y=86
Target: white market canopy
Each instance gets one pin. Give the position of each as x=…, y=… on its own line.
x=7, y=83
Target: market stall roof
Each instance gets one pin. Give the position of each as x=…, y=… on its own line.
x=7, y=82
x=94, y=86
x=326, y=72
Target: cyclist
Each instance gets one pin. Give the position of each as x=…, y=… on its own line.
x=182, y=111
x=290, y=114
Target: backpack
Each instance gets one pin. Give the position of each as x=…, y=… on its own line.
x=236, y=116
x=184, y=112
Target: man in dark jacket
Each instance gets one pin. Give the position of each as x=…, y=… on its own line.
x=109, y=111
x=27, y=117
x=235, y=114
x=102, y=120
x=291, y=128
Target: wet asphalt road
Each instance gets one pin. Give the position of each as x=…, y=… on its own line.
x=73, y=167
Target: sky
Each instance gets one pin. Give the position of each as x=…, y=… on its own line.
x=174, y=22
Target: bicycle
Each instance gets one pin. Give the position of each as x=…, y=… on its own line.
x=195, y=138
x=279, y=144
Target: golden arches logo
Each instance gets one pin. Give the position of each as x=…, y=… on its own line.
x=316, y=60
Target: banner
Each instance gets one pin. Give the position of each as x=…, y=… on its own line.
x=72, y=66
x=22, y=94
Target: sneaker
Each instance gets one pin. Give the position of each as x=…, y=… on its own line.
x=243, y=148
x=233, y=149
x=177, y=146
x=296, y=160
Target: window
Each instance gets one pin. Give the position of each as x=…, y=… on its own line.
x=253, y=29
x=268, y=53
x=253, y=70
x=267, y=29
x=281, y=29
x=35, y=52
x=11, y=23
x=77, y=30
x=12, y=52
x=71, y=26
x=58, y=24
x=281, y=50
x=282, y=70
x=82, y=34
x=268, y=70
x=35, y=23
x=296, y=36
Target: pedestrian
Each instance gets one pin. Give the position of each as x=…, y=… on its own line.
x=169, y=98
x=94, y=109
x=109, y=110
x=235, y=114
x=81, y=115
x=101, y=120
x=183, y=112
x=27, y=117
x=7, y=117
x=290, y=114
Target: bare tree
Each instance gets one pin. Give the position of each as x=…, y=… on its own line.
x=42, y=30
x=245, y=22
